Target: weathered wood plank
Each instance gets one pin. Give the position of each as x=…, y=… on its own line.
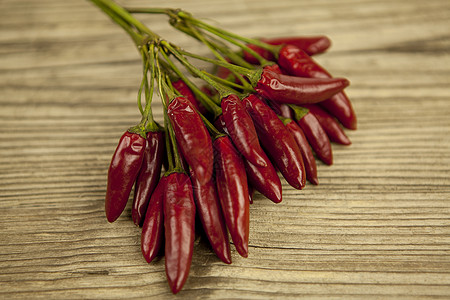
x=377, y=226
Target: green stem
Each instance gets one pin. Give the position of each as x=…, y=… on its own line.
x=137, y=38
x=228, y=82
x=299, y=112
x=187, y=16
x=167, y=140
x=223, y=90
x=119, y=10
x=241, y=70
x=202, y=97
x=142, y=10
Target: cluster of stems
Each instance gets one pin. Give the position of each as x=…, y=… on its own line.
x=162, y=59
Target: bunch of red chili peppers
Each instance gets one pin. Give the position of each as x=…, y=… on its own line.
x=268, y=107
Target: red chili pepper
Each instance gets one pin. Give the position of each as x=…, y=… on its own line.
x=311, y=45
x=305, y=148
x=251, y=193
x=232, y=188
x=340, y=106
x=241, y=130
x=122, y=173
x=219, y=123
x=297, y=62
x=153, y=229
x=211, y=217
x=265, y=179
x=148, y=175
x=329, y=125
x=185, y=91
x=317, y=138
x=277, y=141
x=192, y=137
x=297, y=90
x=179, y=227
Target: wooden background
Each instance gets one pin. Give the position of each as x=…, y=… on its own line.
x=377, y=226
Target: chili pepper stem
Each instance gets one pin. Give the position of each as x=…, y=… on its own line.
x=204, y=99
x=271, y=48
x=223, y=91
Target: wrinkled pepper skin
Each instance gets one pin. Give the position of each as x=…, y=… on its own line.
x=329, y=125
x=241, y=129
x=185, y=91
x=297, y=63
x=277, y=141
x=265, y=180
x=192, y=137
x=311, y=45
x=297, y=90
x=148, y=175
x=179, y=229
x=219, y=123
x=317, y=138
x=211, y=217
x=305, y=149
x=232, y=188
x=153, y=228
x=123, y=170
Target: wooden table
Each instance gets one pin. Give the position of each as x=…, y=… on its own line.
x=377, y=226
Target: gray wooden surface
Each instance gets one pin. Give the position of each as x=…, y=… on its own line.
x=377, y=226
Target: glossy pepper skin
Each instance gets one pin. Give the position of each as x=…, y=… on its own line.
x=297, y=90
x=317, y=138
x=305, y=149
x=148, y=175
x=311, y=45
x=264, y=179
x=241, y=129
x=185, y=91
x=277, y=141
x=329, y=125
x=296, y=62
x=192, y=137
x=232, y=188
x=123, y=170
x=179, y=229
x=153, y=228
x=211, y=217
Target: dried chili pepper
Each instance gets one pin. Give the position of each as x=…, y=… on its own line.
x=264, y=179
x=122, y=173
x=179, y=228
x=340, y=106
x=192, y=137
x=297, y=90
x=251, y=193
x=231, y=181
x=311, y=45
x=148, y=175
x=329, y=125
x=277, y=141
x=219, y=123
x=241, y=129
x=317, y=137
x=297, y=62
x=185, y=91
x=211, y=217
x=305, y=149
x=153, y=228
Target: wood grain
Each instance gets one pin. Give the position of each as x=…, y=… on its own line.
x=377, y=226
